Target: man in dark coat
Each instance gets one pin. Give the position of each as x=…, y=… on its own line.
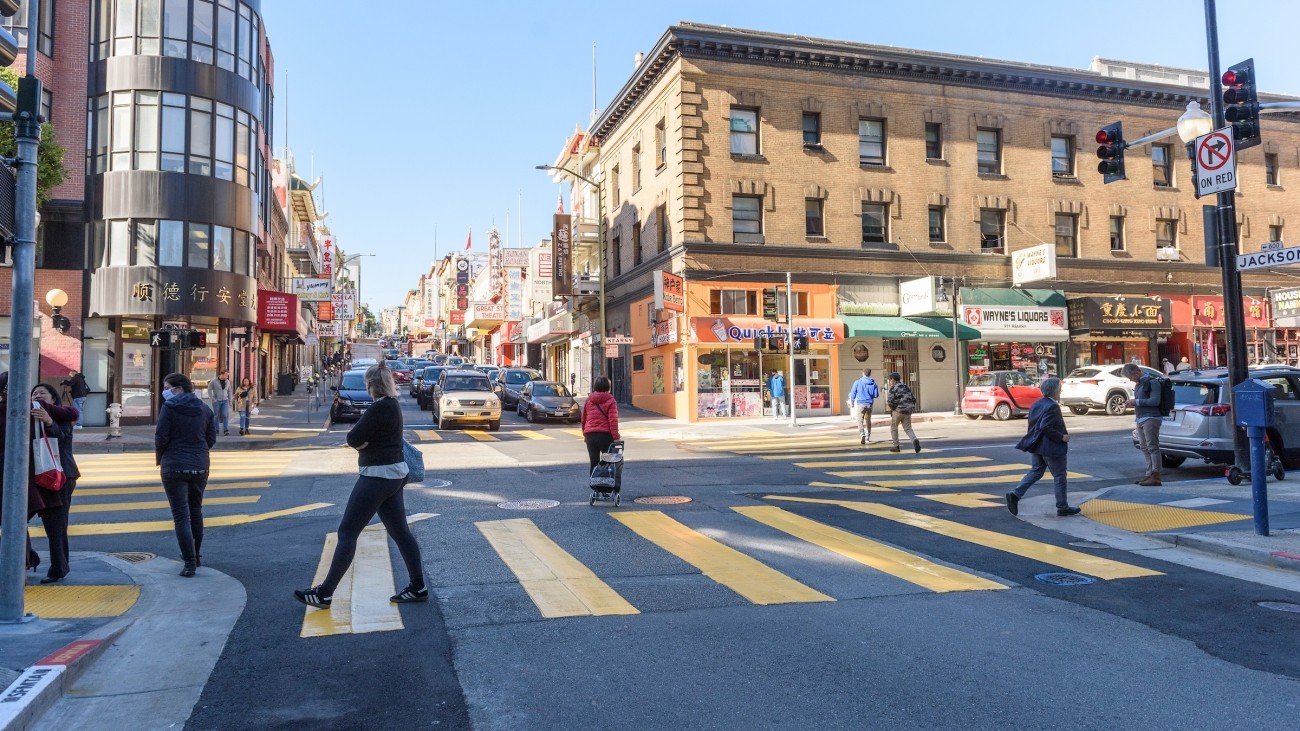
x=1047, y=440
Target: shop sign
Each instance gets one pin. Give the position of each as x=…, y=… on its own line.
x=888, y=309
x=277, y=311
x=561, y=245
x=173, y=292
x=486, y=311
x=1286, y=302
x=1207, y=312
x=744, y=329
x=429, y=322
x=345, y=305
x=325, y=311
x=1010, y=319
x=542, y=290
x=494, y=261
x=561, y=324
x=310, y=289
x=670, y=292
x=462, y=270
x=514, y=258
x=922, y=297
x=327, y=260
x=664, y=333
x=1119, y=313
x=457, y=317
x=515, y=292
x=544, y=268
x=1033, y=264
x=327, y=329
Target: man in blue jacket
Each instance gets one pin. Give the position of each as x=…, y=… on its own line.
x=861, y=398
x=1047, y=441
x=776, y=387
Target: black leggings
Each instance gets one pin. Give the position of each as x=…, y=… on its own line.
x=185, y=495
x=597, y=442
x=55, y=521
x=372, y=495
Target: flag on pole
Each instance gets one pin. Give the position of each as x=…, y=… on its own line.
x=559, y=203
x=469, y=238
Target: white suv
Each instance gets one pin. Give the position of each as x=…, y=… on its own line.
x=1099, y=387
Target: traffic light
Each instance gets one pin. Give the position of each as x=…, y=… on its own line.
x=198, y=339
x=1241, y=103
x=1111, y=152
x=771, y=311
x=760, y=342
x=800, y=342
x=159, y=338
x=8, y=52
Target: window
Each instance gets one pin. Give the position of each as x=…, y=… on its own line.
x=241, y=253
x=121, y=157
x=171, y=246
x=933, y=141
x=146, y=243
x=800, y=303
x=200, y=136
x=146, y=130
x=1166, y=233
x=204, y=35
x=100, y=116
x=119, y=244
x=1116, y=233
x=1162, y=173
x=813, y=223
x=812, y=128
x=226, y=34
x=661, y=145
x=224, y=167
x=173, y=133
x=1067, y=234
x=1270, y=168
x=875, y=223
x=245, y=41
x=871, y=141
x=636, y=168
x=937, y=233
x=988, y=149
x=636, y=243
x=661, y=223
x=199, y=245
x=17, y=25
x=1274, y=233
x=176, y=27
x=47, y=104
x=744, y=131
x=613, y=188
x=124, y=29
x=992, y=229
x=746, y=216
x=1063, y=157
x=150, y=27
x=732, y=302
x=616, y=253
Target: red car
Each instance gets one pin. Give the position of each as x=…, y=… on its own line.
x=401, y=373
x=1000, y=394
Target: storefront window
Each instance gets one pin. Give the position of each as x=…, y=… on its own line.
x=679, y=373
x=657, y=374
x=1032, y=358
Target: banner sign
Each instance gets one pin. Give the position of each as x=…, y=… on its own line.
x=544, y=269
x=494, y=262
x=1286, y=302
x=670, y=292
x=514, y=258
x=1033, y=264
x=277, y=311
x=311, y=289
x=325, y=311
x=328, y=329
x=327, y=259
x=486, y=311
x=1207, y=312
x=923, y=297
x=462, y=271
x=457, y=317
x=345, y=305
x=561, y=243
x=665, y=333
x=515, y=292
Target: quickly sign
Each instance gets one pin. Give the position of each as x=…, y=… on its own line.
x=1215, y=164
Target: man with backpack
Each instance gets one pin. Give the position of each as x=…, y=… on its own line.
x=901, y=402
x=861, y=398
x=1147, y=401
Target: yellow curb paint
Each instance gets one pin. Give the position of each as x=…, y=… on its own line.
x=865, y=488
x=529, y=434
x=70, y=601
x=967, y=499
x=160, y=526
x=963, y=481
x=873, y=461
x=106, y=491
x=933, y=471
x=428, y=435
x=158, y=504
x=1144, y=518
x=481, y=436
x=1065, y=558
x=559, y=584
x=748, y=577
x=887, y=559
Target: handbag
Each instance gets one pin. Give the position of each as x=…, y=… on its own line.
x=414, y=462
x=45, y=461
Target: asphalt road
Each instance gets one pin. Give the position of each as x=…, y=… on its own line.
x=893, y=610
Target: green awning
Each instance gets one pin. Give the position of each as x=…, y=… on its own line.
x=881, y=326
x=1013, y=297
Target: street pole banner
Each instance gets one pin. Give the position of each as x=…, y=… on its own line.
x=562, y=265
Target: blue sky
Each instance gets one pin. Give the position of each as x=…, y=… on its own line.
x=428, y=113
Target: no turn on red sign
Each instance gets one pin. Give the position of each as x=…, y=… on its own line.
x=1215, y=163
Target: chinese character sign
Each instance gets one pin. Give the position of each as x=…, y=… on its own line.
x=327, y=260
x=561, y=244
x=344, y=305
x=514, y=294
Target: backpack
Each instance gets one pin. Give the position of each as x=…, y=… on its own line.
x=1166, y=396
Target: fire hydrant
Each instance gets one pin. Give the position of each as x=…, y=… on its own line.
x=114, y=421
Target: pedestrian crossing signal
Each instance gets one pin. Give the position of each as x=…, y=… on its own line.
x=160, y=338
x=198, y=339
x=800, y=341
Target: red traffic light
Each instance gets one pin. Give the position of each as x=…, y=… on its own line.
x=1105, y=137
x=1232, y=77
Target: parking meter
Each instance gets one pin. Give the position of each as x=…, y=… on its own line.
x=1254, y=410
x=1254, y=403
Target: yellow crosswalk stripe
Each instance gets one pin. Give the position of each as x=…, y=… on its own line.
x=872, y=461
x=967, y=499
x=107, y=491
x=1008, y=479
x=572, y=432
x=819, y=452
x=530, y=434
x=866, y=488
x=772, y=438
x=158, y=504
x=932, y=471
x=428, y=435
x=161, y=526
x=748, y=577
x=481, y=436
x=559, y=584
x=129, y=480
x=867, y=552
x=336, y=619
x=1065, y=558
x=756, y=446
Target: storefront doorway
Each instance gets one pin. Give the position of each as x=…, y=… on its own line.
x=812, y=385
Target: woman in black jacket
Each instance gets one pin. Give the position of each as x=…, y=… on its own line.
x=377, y=437
x=185, y=432
x=55, y=517
x=38, y=499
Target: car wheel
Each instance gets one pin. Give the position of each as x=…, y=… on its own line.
x=494, y=426
x=1172, y=462
x=1002, y=411
x=1079, y=410
x=1115, y=404
x=529, y=415
x=973, y=417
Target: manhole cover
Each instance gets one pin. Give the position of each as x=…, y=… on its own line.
x=1088, y=544
x=527, y=504
x=135, y=557
x=1063, y=579
x=435, y=483
x=1281, y=606
x=662, y=500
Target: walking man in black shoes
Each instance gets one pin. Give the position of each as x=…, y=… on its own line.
x=901, y=403
x=1047, y=440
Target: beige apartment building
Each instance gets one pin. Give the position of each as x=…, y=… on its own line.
x=731, y=157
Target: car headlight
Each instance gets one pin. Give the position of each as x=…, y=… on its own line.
x=492, y=401
x=450, y=402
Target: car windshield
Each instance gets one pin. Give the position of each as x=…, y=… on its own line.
x=353, y=382
x=517, y=377
x=983, y=379
x=1196, y=394
x=550, y=389
x=1084, y=373
x=466, y=383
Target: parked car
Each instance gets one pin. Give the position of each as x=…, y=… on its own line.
x=1099, y=387
x=1000, y=394
x=1201, y=425
x=352, y=398
x=424, y=396
x=466, y=397
x=547, y=400
x=511, y=381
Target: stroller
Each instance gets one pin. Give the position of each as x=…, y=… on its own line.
x=607, y=477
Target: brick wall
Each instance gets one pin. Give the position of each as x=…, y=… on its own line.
x=65, y=77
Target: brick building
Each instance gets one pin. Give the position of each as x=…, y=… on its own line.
x=731, y=157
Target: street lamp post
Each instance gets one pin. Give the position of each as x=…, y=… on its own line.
x=600, y=243
x=357, y=290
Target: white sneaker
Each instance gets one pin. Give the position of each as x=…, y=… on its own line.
x=76, y=426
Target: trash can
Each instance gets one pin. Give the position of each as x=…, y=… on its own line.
x=284, y=385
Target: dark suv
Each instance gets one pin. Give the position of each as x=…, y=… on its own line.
x=424, y=394
x=510, y=381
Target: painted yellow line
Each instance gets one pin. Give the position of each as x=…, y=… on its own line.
x=481, y=436
x=967, y=499
x=336, y=620
x=80, y=601
x=372, y=584
x=820, y=452
x=751, y=445
x=866, y=488
x=1008, y=479
x=105, y=491
x=887, y=559
x=530, y=434
x=129, y=480
x=744, y=575
x=161, y=526
x=573, y=432
x=158, y=504
x=1019, y=468
x=1143, y=518
x=115, y=470
x=428, y=435
x=776, y=439
x=872, y=461
x=559, y=584
x=1065, y=558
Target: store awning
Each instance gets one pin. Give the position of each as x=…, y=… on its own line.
x=880, y=326
x=1014, y=297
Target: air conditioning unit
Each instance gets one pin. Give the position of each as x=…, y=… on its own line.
x=585, y=286
x=1168, y=253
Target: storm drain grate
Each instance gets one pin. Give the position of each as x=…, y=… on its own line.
x=1282, y=606
x=528, y=504
x=1065, y=579
x=1088, y=544
x=662, y=500
x=134, y=557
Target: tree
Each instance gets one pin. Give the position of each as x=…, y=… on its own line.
x=49, y=156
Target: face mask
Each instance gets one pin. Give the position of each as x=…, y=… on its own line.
x=167, y=394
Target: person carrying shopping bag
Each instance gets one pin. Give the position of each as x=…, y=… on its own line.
x=42, y=426
x=55, y=517
x=599, y=421
x=245, y=403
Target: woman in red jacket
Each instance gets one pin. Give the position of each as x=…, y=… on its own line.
x=599, y=420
